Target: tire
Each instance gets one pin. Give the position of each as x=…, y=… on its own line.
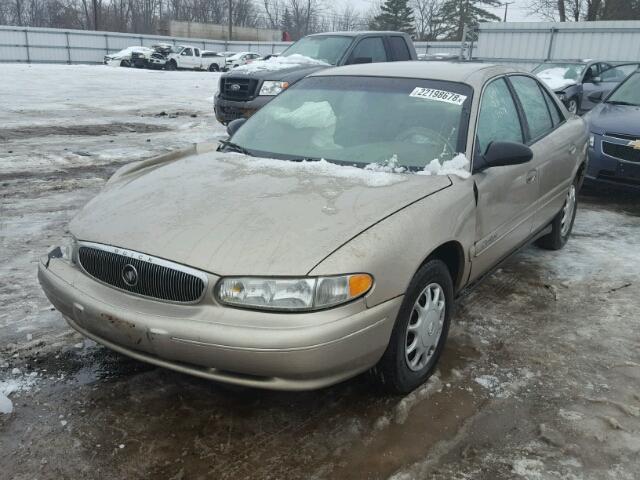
x=171, y=66
x=125, y=63
x=402, y=369
x=572, y=105
x=214, y=67
x=562, y=224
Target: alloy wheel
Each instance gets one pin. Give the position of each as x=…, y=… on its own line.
x=568, y=211
x=425, y=327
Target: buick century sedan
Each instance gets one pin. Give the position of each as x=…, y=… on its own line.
x=331, y=233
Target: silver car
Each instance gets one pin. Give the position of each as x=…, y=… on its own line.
x=331, y=234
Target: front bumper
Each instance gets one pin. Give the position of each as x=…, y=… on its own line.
x=229, y=110
x=256, y=349
x=607, y=170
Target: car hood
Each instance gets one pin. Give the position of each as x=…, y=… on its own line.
x=286, y=73
x=235, y=215
x=555, y=83
x=610, y=118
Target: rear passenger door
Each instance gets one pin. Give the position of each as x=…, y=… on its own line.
x=505, y=195
x=553, y=154
x=369, y=50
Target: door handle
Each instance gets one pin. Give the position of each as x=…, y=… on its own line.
x=572, y=150
x=532, y=176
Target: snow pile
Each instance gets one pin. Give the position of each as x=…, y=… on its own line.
x=458, y=165
x=529, y=469
x=434, y=385
x=20, y=383
x=126, y=52
x=490, y=382
x=318, y=168
x=280, y=63
x=555, y=78
x=389, y=166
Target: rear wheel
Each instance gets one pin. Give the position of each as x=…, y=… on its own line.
x=420, y=331
x=214, y=67
x=562, y=225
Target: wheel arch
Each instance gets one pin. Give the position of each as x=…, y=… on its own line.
x=452, y=254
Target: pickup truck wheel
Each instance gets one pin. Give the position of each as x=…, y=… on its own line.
x=420, y=331
x=562, y=225
x=171, y=65
x=214, y=67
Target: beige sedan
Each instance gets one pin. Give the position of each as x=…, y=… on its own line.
x=331, y=234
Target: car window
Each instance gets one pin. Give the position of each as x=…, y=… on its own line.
x=399, y=49
x=372, y=48
x=197, y=52
x=498, y=119
x=187, y=52
x=533, y=104
x=591, y=73
x=556, y=115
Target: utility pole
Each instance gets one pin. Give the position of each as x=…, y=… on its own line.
x=230, y=20
x=95, y=14
x=506, y=9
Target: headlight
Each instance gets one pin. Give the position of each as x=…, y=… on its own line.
x=69, y=249
x=292, y=294
x=592, y=140
x=273, y=88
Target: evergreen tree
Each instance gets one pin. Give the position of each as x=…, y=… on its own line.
x=394, y=15
x=287, y=22
x=458, y=13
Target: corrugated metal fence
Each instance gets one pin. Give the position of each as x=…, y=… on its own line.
x=528, y=44
x=51, y=45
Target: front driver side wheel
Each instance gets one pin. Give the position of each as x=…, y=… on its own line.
x=572, y=106
x=420, y=331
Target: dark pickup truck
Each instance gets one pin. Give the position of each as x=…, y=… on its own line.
x=246, y=89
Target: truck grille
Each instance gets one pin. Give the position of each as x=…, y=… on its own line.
x=622, y=152
x=154, y=277
x=238, y=89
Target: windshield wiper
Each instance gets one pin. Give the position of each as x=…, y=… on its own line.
x=620, y=102
x=234, y=147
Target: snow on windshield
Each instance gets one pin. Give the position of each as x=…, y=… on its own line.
x=279, y=63
x=318, y=168
x=458, y=165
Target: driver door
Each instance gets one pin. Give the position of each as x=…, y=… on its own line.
x=506, y=196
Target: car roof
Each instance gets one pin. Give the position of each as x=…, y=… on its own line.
x=473, y=73
x=356, y=33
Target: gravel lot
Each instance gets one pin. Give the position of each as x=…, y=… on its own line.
x=539, y=380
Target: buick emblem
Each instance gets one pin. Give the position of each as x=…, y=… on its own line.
x=635, y=145
x=130, y=275
x=235, y=87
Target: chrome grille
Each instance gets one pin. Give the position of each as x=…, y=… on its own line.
x=156, y=278
x=240, y=89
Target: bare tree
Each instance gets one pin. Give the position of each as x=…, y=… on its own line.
x=428, y=18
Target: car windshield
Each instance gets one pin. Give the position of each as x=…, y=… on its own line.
x=177, y=49
x=360, y=121
x=628, y=93
x=566, y=71
x=326, y=48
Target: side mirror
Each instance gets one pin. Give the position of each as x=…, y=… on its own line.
x=502, y=154
x=234, y=125
x=361, y=60
x=597, y=79
x=595, y=97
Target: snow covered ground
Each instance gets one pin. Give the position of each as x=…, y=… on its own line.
x=539, y=380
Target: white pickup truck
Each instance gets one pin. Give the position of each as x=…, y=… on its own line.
x=187, y=57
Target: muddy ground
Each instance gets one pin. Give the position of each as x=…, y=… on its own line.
x=540, y=378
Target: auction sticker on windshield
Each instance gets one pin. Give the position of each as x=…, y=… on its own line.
x=438, y=95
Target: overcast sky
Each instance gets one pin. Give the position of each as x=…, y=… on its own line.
x=517, y=12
